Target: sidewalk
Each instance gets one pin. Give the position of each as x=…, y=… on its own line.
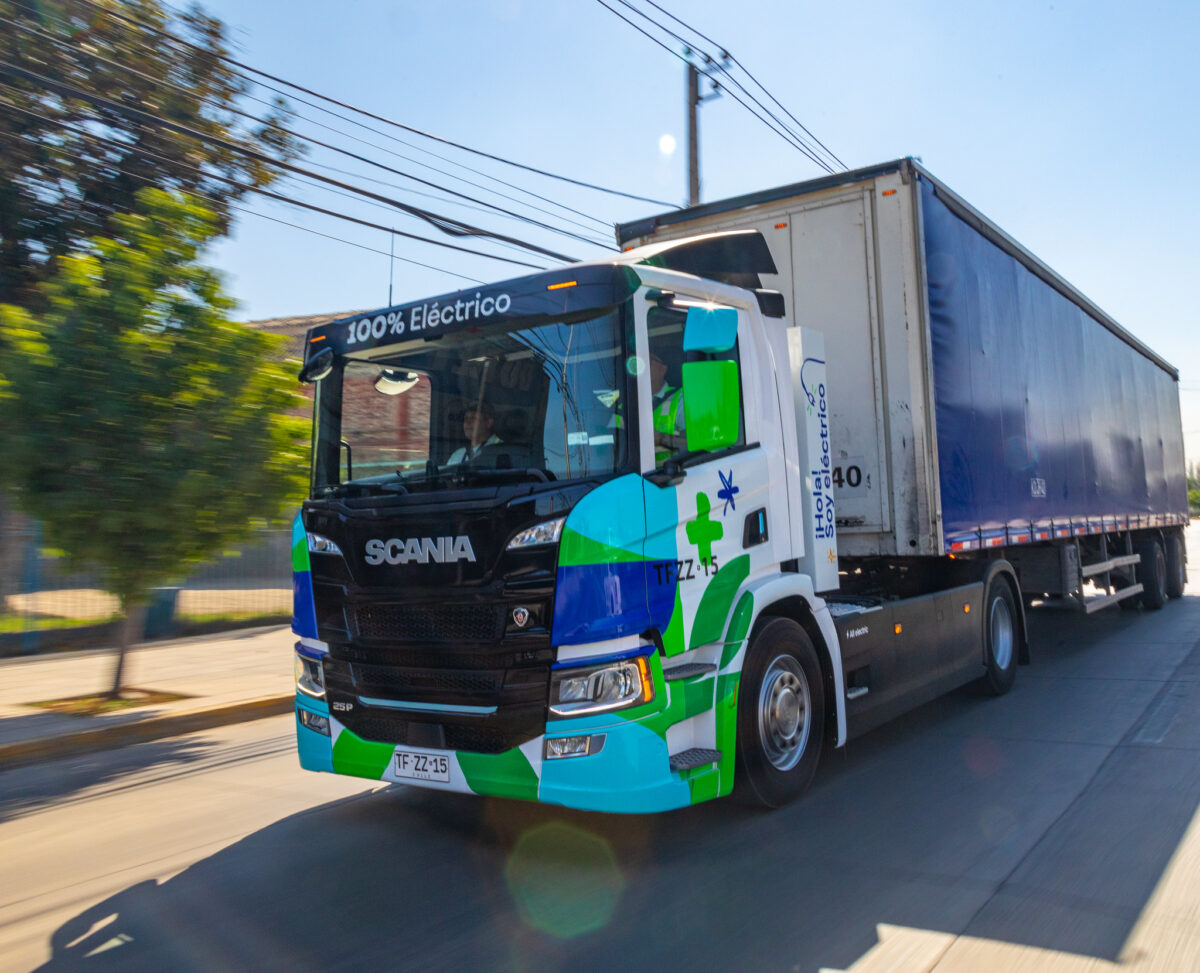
x=226, y=678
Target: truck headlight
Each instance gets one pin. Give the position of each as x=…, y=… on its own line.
x=310, y=676
x=319, y=544
x=546, y=532
x=586, y=689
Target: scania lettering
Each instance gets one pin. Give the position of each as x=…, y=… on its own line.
x=419, y=549
x=634, y=534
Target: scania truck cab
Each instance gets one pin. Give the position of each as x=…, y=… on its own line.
x=566, y=536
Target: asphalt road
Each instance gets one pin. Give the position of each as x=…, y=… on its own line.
x=1052, y=829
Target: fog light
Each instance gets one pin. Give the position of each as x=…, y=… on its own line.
x=314, y=722
x=584, y=746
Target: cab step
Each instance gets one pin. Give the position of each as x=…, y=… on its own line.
x=687, y=670
x=696, y=757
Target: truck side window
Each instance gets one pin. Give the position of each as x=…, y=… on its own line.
x=667, y=393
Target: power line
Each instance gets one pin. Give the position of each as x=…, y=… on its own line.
x=762, y=87
x=446, y=224
x=270, y=194
x=368, y=114
x=770, y=121
x=417, y=148
x=251, y=212
x=690, y=46
x=351, y=243
x=314, y=141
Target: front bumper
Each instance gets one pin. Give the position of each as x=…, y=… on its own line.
x=631, y=773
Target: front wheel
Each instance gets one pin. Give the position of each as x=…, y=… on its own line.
x=1000, y=635
x=781, y=716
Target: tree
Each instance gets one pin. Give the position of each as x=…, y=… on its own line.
x=68, y=164
x=143, y=427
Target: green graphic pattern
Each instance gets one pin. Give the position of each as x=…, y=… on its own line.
x=717, y=599
x=507, y=774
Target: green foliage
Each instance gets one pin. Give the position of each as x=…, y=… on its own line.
x=62, y=180
x=1194, y=499
x=143, y=427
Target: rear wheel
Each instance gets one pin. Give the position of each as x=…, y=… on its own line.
x=1176, y=571
x=1000, y=634
x=781, y=715
x=1152, y=572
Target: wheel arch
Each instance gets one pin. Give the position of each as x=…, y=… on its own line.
x=792, y=596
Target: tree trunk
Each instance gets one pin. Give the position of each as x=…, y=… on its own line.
x=130, y=631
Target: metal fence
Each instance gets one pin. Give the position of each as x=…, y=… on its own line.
x=38, y=594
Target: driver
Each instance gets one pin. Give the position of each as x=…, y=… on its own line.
x=666, y=402
x=477, y=427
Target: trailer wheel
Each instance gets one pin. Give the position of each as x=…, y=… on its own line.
x=1000, y=634
x=1152, y=573
x=781, y=716
x=1176, y=572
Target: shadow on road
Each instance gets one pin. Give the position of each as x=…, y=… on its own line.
x=1045, y=817
x=27, y=789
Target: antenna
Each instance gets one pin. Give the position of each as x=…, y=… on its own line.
x=391, y=265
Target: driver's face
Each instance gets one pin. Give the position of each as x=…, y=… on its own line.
x=658, y=373
x=477, y=426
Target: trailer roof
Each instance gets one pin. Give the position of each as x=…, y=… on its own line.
x=959, y=206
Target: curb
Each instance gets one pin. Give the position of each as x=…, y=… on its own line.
x=25, y=752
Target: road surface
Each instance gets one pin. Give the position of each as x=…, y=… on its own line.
x=1052, y=829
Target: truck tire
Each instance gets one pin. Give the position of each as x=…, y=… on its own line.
x=1152, y=573
x=1176, y=571
x=781, y=716
x=1001, y=631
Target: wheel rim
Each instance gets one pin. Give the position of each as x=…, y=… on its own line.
x=784, y=712
x=1000, y=628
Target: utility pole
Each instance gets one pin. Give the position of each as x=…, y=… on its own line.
x=693, y=130
x=694, y=99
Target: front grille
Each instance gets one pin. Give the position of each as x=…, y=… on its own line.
x=382, y=726
x=393, y=683
x=436, y=624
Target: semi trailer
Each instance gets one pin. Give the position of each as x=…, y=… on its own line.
x=632, y=534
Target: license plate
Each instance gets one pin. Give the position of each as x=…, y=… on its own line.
x=423, y=766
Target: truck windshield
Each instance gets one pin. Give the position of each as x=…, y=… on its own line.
x=540, y=403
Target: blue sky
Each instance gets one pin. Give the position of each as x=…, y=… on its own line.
x=1072, y=125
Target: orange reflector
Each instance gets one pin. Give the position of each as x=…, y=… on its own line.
x=647, y=682
x=780, y=226
x=319, y=337
x=559, y=287
x=951, y=556
x=889, y=192
x=899, y=628
x=966, y=609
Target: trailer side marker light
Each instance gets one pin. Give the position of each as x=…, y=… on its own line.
x=560, y=286
x=966, y=609
x=889, y=192
x=313, y=341
x=899, y=628
x=781, y=226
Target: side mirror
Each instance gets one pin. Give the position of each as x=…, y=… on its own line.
x=712, y=391
x=712, y=397
x=711, y=330
x=317, y=367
